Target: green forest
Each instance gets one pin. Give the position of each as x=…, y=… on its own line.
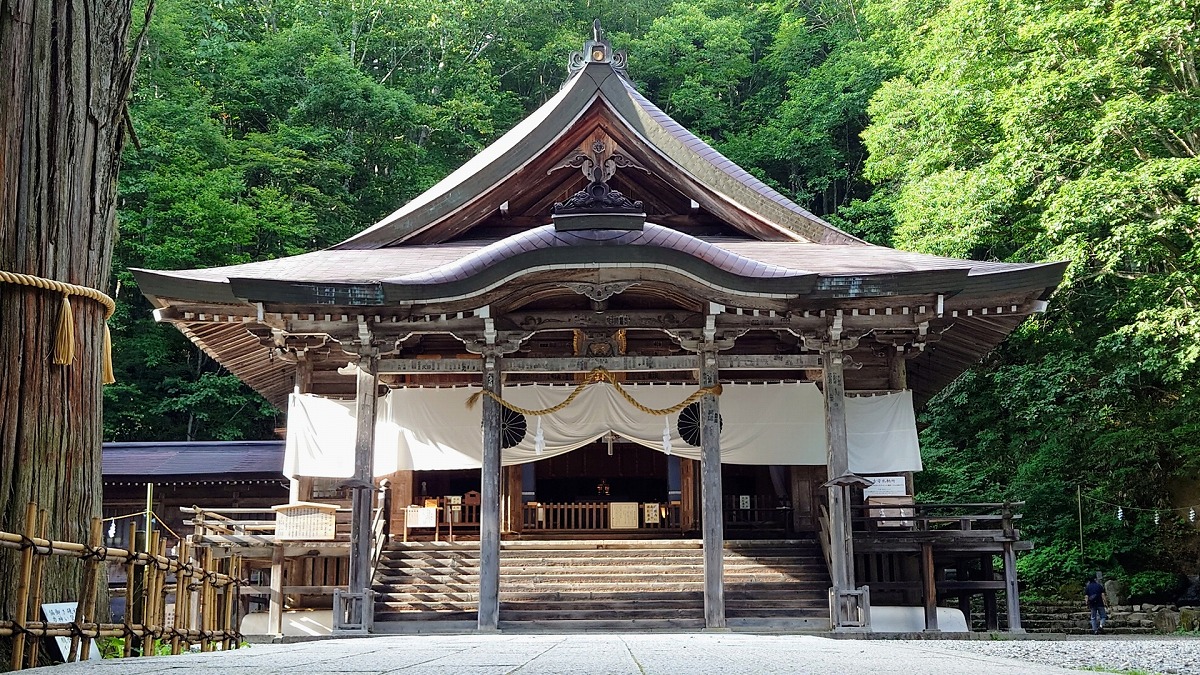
x=1014, y=130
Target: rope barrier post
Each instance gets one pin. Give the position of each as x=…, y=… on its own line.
x=181, y=594
x=22, y=609
x=130, y=599
x=205, y=607
x=86, y=608
x=39, y=571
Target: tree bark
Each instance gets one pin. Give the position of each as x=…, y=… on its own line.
x=65, y=72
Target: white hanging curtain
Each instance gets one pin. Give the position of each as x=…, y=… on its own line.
x=767, y=424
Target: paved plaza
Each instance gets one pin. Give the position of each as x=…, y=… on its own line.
x=615, y=654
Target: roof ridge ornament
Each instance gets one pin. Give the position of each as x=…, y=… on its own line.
x=597, y=50
x=598, y=206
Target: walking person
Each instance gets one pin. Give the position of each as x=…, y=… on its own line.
x=1097, y=601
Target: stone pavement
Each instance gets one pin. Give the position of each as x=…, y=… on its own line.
x=570, y=654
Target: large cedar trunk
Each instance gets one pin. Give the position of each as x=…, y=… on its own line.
x=65, y=67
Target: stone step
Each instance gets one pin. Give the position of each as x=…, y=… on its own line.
x=596, y=577
x=594, y=624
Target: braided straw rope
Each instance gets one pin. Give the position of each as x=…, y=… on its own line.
x=598, y=375
x=64, y=339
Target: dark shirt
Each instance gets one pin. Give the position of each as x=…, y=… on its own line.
x=1095, y=594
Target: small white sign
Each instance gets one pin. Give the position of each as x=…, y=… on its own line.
x=64, y=612
x=744, y=501
x=886, y=486
x=420, y=516
x=454, y=499
x=650, y=514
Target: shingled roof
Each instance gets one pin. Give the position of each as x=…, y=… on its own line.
x=484, y=234
x=193, y=460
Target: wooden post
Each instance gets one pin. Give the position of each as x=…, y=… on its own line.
x=22, y=609
x=275, y=611
x=181, y=594
x=489, y=504
x=712, y=518
x=364, y=461
x=132, y=606
x=516, y=505
x=841, y=548
x=149, y=601
x=964, y=596
x=687, y=494
x=86, y=610
x=929, y=587
x=1010, y=589
x=39, y=571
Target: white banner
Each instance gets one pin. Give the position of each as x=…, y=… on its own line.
x=764, y=424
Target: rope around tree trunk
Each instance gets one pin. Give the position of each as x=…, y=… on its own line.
x=598, y=375
x=64, y=338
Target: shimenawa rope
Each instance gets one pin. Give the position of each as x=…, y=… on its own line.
x=64, y=338
x=598, y=375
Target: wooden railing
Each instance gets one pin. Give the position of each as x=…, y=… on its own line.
x=758, y=510
x=961, y=518
x=546, y=516
x=205, y=591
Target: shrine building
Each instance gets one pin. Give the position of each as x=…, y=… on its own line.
x=601, y=351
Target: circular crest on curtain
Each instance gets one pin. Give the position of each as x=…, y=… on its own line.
x=512, y=428
x=690, y=422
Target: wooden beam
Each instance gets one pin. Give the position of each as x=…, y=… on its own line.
x=929, y=588
x=514, y=488
x=616, y=364
x=489, y=508
x=713, y=520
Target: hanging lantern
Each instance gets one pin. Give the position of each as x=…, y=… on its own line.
x=1156, y=517
x=667, y=435
x=1191, y=515
x=539, y=439
x=1120, y=513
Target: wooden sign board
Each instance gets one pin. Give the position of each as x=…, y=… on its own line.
x=623, y=515
x=886, y=486
x=420, y=516
x=650, y=514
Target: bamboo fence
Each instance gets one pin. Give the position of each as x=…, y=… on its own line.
x=205, y=611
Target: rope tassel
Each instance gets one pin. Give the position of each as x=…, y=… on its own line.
x=64, y=334
x=64, y=337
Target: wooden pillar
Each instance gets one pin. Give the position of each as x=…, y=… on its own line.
x=489, y=506
x=1010, y=589
x=964, y=596
x=991, y=615
x=364, y=463
x=275, y=611
x=841, y=548
x=516, y=506
x=712, y=518
x=300, y=487
x=929, y=587
x=688, y=514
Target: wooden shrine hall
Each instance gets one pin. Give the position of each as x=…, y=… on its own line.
x=601, y=278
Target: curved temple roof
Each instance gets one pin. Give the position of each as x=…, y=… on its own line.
x=747, y=243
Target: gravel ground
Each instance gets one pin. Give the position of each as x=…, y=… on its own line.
x=1159, y=654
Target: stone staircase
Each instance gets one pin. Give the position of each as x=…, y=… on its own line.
x=616, y=584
